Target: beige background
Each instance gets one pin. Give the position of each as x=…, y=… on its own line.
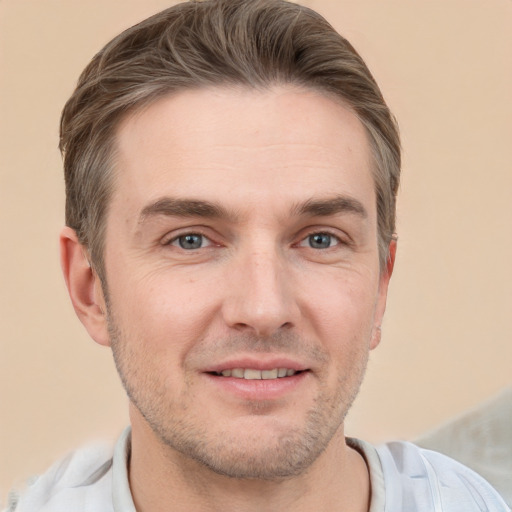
x=444, y=67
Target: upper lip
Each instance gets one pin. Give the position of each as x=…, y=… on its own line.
x=258, y=363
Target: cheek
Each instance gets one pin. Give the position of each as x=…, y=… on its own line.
x=344, y=309
x=165, y=309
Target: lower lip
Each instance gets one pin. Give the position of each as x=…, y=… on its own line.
x=258, y=389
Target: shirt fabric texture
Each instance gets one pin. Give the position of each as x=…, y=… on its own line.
x=480, y=438
x=403, y=478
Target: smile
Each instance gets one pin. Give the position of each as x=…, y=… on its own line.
x=254, y=374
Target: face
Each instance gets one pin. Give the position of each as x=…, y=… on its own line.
x=243, y=275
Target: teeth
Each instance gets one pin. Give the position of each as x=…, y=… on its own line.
x=269, y=374
x=253, y=374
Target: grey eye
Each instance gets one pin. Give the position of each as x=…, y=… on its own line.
x=320, y=241
x=190, y=241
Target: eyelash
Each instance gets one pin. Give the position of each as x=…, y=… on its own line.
x=175, y=241
x=332, y=237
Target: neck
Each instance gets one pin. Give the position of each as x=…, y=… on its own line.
x=159, y=476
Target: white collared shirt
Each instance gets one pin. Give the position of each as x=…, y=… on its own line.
x=403, y=477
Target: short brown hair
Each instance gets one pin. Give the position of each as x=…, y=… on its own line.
x=253, y=43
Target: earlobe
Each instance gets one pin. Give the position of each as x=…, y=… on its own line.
x=376, y=335
x=84, y=286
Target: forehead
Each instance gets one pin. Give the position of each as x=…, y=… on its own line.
x=245, y=146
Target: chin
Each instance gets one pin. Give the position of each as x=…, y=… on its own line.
x=263, y=448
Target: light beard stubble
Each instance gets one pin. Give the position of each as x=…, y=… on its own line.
x=286, y=455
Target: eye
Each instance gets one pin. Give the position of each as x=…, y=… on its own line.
x=190, y=241
x=320, y=241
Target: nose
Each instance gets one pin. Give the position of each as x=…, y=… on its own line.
x=260, y=298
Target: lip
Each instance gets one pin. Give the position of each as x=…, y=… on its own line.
x=258, y=390
x=260, y=363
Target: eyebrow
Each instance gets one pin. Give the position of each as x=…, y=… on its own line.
x=172, y=207
x=332, y=206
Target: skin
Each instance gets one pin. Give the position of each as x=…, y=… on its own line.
x=275, y=191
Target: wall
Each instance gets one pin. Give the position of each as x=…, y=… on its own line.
x=445, y=69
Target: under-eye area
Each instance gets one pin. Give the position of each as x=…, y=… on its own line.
x=254, y=374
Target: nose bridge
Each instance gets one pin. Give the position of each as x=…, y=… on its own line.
x=260, y=297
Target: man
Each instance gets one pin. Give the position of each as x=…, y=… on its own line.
x=231, y=172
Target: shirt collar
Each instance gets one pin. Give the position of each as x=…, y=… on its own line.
x=121, y=494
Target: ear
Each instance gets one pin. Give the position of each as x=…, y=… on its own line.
x=385, y=276
x=84, y=287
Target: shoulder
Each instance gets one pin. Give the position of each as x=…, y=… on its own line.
x=82, y=481
x=419, y=479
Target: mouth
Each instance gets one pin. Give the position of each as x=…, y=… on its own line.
x=264, y=379
x=255, y=374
